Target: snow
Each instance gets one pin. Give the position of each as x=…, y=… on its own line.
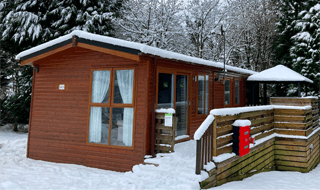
x=277, y=180
x=223, y=157
x=293, y=107
x=181, y=137
x=310, y=97
x=203, y=127
x=238, y=110
x=279, y=73
x=223, y=136
x=166, y=110
x=303, y=36
x=241, y=123
x=234, y=111
x=209, y=166
x=175, y=171
x=133, y=45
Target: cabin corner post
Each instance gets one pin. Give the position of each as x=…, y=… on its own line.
x=214, y=138
x=198, y=157
x=153, y=125
x=30, y=114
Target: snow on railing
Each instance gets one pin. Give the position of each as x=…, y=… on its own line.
x=203, y=127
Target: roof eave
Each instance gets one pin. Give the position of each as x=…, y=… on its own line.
x=84, y=43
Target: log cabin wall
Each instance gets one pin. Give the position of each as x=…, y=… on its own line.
x=59, y=119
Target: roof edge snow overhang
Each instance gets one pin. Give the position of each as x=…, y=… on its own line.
x=45, y=50
x=81, y=42
x=277, y=82
x=113, y=46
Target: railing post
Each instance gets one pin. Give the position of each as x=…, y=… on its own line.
x=214, y=138
x=198, y=157
x=205, y=148
x=211, y=142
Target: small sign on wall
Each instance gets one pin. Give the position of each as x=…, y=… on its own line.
x=62, y=86
x=168, y=119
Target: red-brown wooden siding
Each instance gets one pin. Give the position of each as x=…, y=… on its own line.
x=59, y=119
x=58, y=127
x=216, y=97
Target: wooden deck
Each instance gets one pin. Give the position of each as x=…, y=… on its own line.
x=298, y=152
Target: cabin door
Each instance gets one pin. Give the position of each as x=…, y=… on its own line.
x=173, y=92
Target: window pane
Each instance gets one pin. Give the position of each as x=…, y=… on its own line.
x=181, y=105
x=207, y=95
x=99, y=125
x=123, y=86
x=165, y=90
x=227, y=92
x=100, y=87
x=122, y=126
x=201, y=94
x=237, y=92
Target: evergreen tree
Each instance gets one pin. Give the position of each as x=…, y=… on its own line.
x=289, y=14
x=305, y=51
x=27, y=23
x=5, y=72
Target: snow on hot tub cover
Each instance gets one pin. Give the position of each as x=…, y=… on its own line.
x=278, y=73
x=131, y=45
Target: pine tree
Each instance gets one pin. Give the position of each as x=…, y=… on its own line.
x=305, y=52
x=4, y=73
x=32, y=22
x=289, y=14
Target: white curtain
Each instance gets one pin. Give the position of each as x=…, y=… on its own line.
x=125, y=82
x=100, y=87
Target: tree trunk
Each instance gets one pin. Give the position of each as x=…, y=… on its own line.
x=15, y=126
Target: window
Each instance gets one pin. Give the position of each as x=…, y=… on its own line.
x=226, y=92
x=203, y=94
x=111, y=107
x=236, y=88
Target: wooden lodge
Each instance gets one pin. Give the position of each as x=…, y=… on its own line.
x=94, y=98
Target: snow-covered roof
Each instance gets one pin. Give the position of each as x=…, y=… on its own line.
x=137, y=47
x=278, y=73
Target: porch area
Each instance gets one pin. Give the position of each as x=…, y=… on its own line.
x=286, y=139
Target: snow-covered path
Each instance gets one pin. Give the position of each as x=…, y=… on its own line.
x=176, y=171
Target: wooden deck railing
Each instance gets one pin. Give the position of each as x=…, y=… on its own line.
x=217, y=139
x=206, y=143
x=204, y=151
x=261, y=126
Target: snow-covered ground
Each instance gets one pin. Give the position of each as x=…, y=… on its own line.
x=175, y=171
x=277, y=180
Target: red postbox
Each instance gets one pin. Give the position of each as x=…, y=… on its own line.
x=241, y=137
